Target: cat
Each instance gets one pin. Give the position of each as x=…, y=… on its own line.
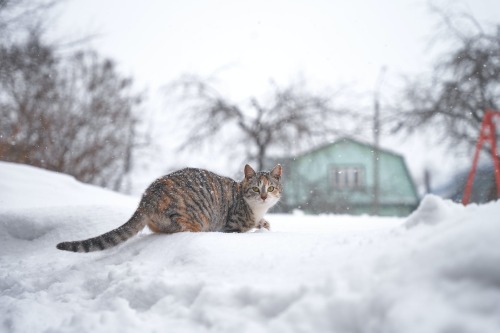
x=196, y=200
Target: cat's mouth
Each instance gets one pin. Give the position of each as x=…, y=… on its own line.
x=266, y=201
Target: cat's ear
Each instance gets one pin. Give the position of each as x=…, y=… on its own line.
x=276, y=172
x=249, y=172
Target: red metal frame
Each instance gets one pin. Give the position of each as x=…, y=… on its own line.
x=487, y=134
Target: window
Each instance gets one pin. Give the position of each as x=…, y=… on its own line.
x=347, y=177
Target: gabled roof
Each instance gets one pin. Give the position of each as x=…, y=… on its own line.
x=342, y=140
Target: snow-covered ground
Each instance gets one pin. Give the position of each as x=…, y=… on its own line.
x=437, y=271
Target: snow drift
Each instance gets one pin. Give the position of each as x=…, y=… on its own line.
x=437, y=271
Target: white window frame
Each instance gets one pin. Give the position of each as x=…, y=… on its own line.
x=347, y=177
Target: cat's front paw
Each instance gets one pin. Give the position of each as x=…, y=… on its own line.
x=263, y=224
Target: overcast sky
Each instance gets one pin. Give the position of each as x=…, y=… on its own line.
x=245, y=44
x=249, y=42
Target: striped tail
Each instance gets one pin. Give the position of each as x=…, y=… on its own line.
x=114, y=237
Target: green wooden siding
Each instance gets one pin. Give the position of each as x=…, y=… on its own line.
x=309, y=184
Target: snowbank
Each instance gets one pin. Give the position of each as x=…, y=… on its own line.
x=437, y=271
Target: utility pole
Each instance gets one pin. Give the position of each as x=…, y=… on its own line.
x=376, y=143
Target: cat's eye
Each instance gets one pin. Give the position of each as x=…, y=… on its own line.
x=255, y=189
x=270, y=189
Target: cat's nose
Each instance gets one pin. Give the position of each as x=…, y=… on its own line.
x=263, y=198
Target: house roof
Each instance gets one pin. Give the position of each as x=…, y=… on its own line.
x=291, y=160
x=482, y=188
x=338, y=141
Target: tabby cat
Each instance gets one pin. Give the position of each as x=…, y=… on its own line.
x=195, y=200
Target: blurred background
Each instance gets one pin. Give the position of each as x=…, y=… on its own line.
x=367, y=104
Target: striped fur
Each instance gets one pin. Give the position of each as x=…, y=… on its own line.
x=195, y=200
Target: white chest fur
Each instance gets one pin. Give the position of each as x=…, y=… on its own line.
x=260, y=208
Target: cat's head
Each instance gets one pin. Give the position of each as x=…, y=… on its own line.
x=262, y=188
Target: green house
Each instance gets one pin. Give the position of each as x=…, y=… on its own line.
x=339, y=178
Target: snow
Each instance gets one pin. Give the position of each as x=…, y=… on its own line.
x=436, y=271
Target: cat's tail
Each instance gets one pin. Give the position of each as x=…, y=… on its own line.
x=114, y=237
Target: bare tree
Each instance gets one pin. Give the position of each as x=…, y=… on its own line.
x=19, y=16
x=72, y=114
x=288, y=117
x=465, y=82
